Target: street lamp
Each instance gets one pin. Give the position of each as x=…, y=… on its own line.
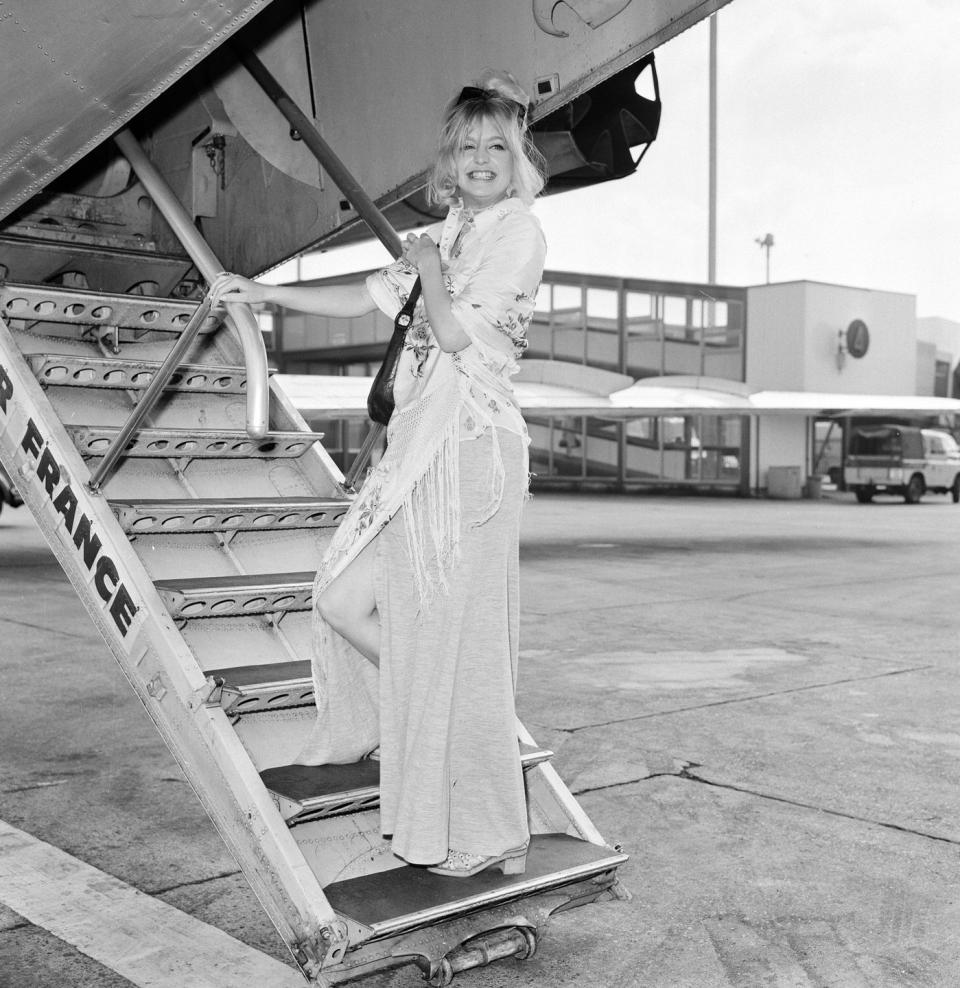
x=766, y=242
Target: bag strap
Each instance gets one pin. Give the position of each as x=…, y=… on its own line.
x=405, y=316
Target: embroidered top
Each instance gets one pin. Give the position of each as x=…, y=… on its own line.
x=492, y=262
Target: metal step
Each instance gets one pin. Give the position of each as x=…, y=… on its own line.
x=311, y=792
x=45, y=303
x=134, y=375
x=404, y=899
x=228, y=514
x=227, y=596
x=193, y=443
x=251, y=689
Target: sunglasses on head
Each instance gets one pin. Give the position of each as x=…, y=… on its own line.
x=472, y=94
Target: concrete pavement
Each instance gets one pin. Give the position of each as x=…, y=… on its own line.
x=757, y=698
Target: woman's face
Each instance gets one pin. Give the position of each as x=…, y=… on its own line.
x=484, y=165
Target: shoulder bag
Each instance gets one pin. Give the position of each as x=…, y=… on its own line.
x=380, y=403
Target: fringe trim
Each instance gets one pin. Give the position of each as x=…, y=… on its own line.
x=432, y=517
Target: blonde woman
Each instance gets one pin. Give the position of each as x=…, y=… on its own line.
x=416, y=620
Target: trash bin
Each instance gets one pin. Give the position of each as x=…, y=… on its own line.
x=784, y=482
x=813, y=488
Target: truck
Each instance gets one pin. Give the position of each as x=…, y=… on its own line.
x=907, y=461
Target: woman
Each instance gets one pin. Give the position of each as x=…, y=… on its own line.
x=420, y=579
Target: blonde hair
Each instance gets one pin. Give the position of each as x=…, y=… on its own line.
x=507, y=108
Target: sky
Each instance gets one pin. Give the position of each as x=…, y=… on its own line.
x=838, y=133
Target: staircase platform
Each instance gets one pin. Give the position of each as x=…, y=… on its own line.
x=193, y=443
x=227, y=596
x=134, y=375
x=312, y=792
x=228, y=514
x=404, y=899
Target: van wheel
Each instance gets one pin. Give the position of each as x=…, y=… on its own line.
x=955, y=489
x=864, y=495
x=914, y=490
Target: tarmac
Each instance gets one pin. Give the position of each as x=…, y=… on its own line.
x=756, y=698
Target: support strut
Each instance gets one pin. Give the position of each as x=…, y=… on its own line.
x=364, y=206
x=239, y=314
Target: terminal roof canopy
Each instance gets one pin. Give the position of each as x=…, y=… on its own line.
x=557, y=388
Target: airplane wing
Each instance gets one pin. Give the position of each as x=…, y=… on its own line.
x=174, y=73
x=64, y=97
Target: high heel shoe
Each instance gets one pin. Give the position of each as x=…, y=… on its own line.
x=460, y=864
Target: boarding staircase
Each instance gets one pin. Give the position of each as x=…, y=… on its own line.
x=194, y=553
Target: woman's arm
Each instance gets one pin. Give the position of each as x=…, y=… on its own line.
x=424, y=254
x=342, y=301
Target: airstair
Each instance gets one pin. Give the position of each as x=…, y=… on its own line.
x=191, y=532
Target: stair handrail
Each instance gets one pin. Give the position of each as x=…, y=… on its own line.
x=151, y=393
x=363, y=205
x=239, y=315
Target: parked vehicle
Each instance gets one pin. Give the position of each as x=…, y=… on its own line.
x=904, y=460
x=8, y=493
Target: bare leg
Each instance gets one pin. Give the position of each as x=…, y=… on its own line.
x=349, y=606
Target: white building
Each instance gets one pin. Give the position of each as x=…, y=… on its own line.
x=757, y=379
x=831, y=339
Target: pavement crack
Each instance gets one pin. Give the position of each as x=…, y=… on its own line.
x=678, y=773
x=689, y=776
x=196, y=881
x=42, y=627
x=760, y=592
x=842, y=584
x=743, y=699
x=35, y=785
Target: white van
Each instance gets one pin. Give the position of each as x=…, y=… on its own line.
x=901, y=459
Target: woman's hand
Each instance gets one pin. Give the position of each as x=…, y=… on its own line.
x=422, y=253
x=228, y=287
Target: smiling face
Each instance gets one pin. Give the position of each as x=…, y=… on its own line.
x=484, y=165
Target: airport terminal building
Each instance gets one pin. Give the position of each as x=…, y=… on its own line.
x=806, y=347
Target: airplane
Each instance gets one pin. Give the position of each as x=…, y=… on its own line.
x=146, y=148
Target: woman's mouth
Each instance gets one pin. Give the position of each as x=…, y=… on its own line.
x=482, y=176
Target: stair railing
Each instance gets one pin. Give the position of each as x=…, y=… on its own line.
x=239, y=315
x=150, y=395
x=364, y=206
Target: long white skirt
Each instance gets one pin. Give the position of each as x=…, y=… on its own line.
x=450, y=775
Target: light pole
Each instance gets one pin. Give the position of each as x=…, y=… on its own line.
x=712, y=190
x=767, y=243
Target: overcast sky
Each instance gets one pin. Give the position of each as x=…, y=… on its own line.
x=839, y=133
